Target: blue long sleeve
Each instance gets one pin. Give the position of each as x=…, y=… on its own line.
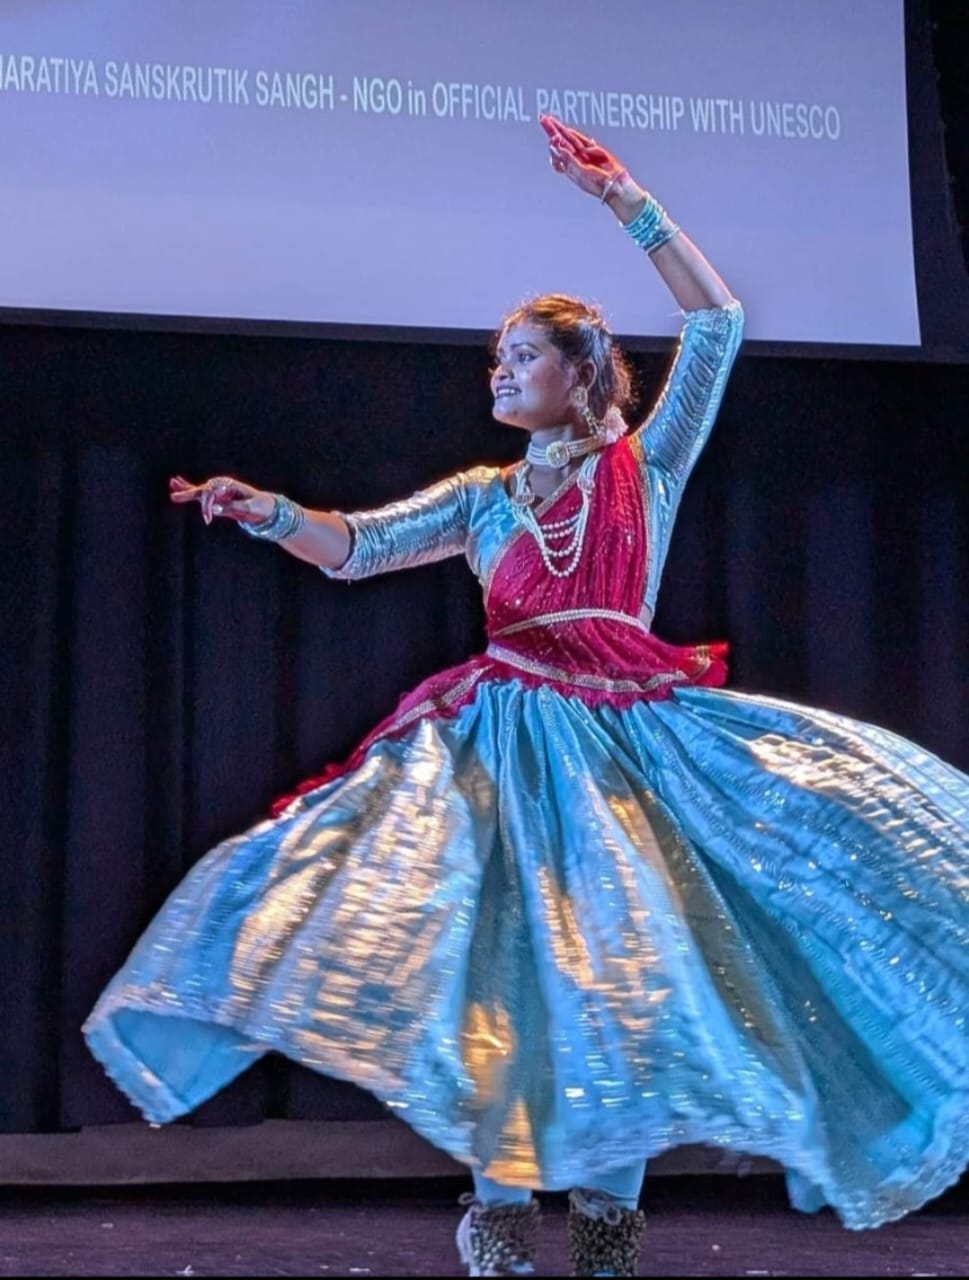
x=672, y=437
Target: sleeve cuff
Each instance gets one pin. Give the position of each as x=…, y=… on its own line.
x=347, y=571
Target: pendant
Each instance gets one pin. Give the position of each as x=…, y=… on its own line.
x=557, y=455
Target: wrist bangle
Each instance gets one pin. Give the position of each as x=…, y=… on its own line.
x=616, y=177
x=286, y=520
x=651, y=228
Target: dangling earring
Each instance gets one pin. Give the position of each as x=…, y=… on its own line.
x=580, y=398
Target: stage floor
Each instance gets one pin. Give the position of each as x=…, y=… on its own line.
x=698, y=1226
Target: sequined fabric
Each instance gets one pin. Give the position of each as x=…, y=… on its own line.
x=558, y=928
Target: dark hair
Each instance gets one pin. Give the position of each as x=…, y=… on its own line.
x=580, y=333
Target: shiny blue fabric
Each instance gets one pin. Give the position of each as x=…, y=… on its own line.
x=558, y=940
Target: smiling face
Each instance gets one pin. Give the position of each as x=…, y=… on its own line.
x=531, y=381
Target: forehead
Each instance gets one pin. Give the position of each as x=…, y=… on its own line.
x=523, y=334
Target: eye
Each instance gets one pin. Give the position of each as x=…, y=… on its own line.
x=517, y=357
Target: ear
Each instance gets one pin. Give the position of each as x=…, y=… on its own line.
x=586, y=374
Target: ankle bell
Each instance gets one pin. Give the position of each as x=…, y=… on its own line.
x=498, y=1240
x=604, y=1237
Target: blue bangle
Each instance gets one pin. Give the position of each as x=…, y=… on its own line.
x=651, y=228
x=285, y=522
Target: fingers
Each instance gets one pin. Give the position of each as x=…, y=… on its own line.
x=210, y=502
x=182, y=490
x=583, y=139
x=565, y=134
x=558, y=158
x=580, y=168
x=559, y=135
x=236, y=509
x=220, y=496
x=563, y=142
x=580, y=157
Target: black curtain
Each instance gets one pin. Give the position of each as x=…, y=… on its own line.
x=164, y=682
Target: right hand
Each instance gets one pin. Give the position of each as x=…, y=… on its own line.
x=224, y=496
x=592, y=168
x=586, y=162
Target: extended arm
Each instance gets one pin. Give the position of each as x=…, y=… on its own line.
x=320, y=537
x=430, y=525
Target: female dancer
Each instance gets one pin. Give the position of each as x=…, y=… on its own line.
x=572, y=904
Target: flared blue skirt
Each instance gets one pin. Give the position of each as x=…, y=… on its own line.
x=556, y=940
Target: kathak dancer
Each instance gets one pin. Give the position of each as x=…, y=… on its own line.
x=574, y=903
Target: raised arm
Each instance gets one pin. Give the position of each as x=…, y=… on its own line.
x=680, y=420
x=682, y=416
x=690, y=278
x=686, y=272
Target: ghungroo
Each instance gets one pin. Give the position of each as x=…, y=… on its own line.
x=604, y=1238
x=498, y=1240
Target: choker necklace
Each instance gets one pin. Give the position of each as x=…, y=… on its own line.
x=560, y=453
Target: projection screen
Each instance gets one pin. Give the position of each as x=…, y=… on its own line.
x=368, y=162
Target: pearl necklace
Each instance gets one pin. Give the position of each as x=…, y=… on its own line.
x=560, y=453
x=571, y=528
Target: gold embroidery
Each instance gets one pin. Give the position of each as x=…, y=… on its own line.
x=573, y=615
x=433, y=704
x=579, y=679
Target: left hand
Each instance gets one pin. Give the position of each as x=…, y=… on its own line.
x=590, y=166
x=224, y=496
